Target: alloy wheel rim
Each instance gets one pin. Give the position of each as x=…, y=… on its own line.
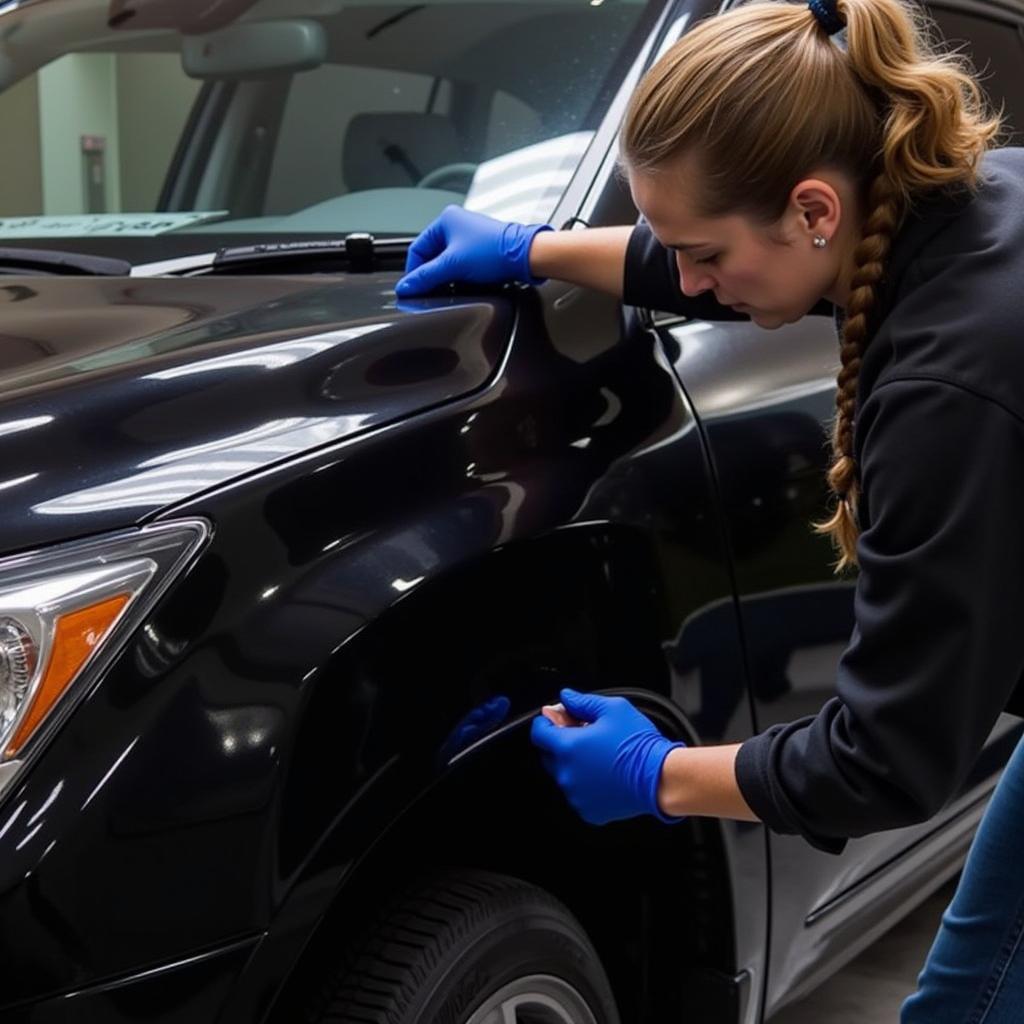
x=534, y=999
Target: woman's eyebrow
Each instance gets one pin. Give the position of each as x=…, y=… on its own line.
x=687, y=245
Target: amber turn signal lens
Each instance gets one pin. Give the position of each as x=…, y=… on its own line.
x=76, y=636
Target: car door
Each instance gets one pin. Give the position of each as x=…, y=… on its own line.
x=765, y=399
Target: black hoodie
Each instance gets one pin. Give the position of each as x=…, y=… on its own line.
x=938, y=646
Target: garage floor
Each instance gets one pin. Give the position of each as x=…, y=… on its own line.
x=870, y=989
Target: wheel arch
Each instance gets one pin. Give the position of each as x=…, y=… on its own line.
x=653, y=898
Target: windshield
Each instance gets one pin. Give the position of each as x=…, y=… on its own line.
x=289, y=119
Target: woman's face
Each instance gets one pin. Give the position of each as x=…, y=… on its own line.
x=774, y=274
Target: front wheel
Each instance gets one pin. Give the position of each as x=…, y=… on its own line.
x=471, y=947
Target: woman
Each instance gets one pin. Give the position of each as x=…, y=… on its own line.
x=792, y=159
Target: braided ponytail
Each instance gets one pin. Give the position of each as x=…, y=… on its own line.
x=896, y=115
x=869, y=266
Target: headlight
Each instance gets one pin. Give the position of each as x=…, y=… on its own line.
x=18, y=659
x=64, y=612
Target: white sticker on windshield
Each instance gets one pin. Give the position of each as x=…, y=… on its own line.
x=79, y=225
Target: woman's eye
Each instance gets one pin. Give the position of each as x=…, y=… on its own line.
x=707, y=259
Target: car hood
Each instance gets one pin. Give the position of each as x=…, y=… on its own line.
x=120, y=396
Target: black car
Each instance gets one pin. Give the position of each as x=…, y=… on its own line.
x=289, y=566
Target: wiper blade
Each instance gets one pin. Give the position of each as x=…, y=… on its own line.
x=52, y=261
x=357, y=253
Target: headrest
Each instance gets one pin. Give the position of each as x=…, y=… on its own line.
x=395, y=150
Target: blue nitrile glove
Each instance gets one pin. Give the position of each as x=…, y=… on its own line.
x=461, y=245
x=609, y=768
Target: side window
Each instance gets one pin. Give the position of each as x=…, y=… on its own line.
x=92, y=133
x=996, y=49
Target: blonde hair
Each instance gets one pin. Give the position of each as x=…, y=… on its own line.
x=761, y=96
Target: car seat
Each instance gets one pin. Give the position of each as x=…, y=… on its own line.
x=395, y=150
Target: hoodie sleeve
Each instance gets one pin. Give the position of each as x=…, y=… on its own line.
x=651, y=281
x=936, y=650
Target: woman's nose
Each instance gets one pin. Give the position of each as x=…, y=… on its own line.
x=692, y=278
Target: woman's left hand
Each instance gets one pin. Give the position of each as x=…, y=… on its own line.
x=610, y=767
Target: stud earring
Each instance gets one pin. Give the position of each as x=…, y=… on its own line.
x=820, y=241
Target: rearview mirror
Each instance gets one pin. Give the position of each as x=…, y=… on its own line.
x=251, y=50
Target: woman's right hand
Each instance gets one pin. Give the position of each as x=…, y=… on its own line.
x=461, y=245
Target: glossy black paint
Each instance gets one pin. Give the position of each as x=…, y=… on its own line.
x=122, y=397
x=191, y=990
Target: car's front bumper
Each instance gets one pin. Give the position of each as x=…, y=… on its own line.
x=190, y=991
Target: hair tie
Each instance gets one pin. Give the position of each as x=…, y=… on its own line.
x=827, y=15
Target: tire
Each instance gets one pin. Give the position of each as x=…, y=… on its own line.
x=464, y=947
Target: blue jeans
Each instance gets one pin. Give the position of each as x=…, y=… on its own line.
x=974, y=973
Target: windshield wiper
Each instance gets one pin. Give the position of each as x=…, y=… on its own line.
x=357, y=253
x=52, y=261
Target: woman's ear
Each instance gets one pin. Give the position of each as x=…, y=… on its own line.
x=816, y=207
